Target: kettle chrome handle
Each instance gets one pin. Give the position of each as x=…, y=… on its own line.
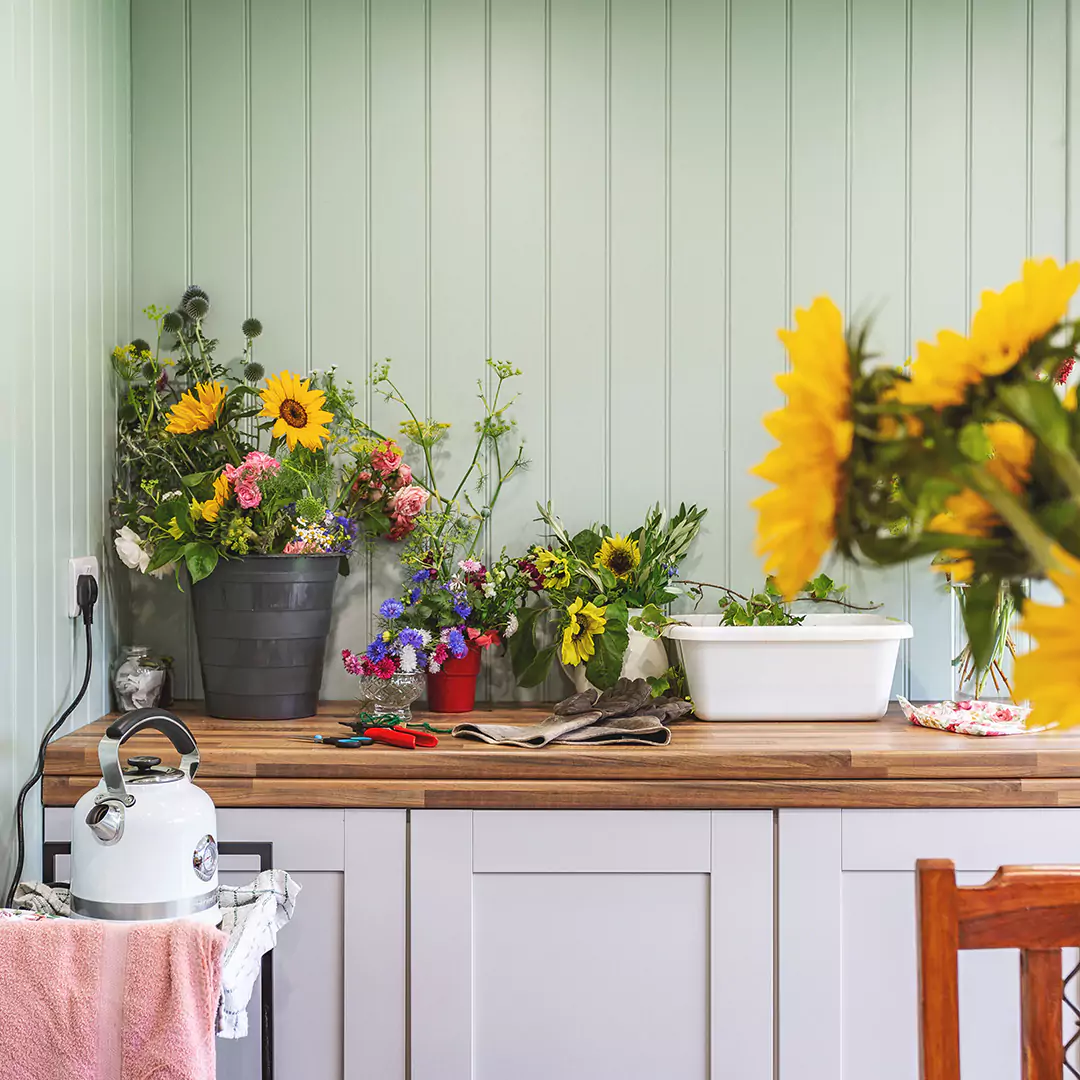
x=118, y=733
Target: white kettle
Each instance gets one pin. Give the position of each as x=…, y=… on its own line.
x=143, y=842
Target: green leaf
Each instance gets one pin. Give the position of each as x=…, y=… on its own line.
x=979, y=611
x=165, y=552
x=201, y=558
x=536, y=671
x=522, y=646
x=605, y=665
x=193, y=480
x=586, y=544
x=974, y=443
x=1037, y=406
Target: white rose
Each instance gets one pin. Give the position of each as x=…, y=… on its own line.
x=161, y=571
x=129, y=548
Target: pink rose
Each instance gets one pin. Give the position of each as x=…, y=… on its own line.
x=388, y=458
x=404, y=476
x=248, y=494
x=408, y=502
x=365, y=475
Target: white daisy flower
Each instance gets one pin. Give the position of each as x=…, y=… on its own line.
x=407, y=656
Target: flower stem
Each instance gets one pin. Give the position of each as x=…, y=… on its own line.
x=1027, y=530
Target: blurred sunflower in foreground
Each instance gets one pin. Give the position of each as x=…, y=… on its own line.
x=969, y=456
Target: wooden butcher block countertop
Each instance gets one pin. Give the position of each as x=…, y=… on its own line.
x=887, y=763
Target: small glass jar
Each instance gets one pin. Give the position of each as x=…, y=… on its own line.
x=391, y=697
x=139, y=681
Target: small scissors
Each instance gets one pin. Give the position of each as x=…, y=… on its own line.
x=344, y=741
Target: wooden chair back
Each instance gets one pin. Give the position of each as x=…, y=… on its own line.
x=1035, y=909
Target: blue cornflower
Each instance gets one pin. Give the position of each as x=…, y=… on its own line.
x=672, y=570
x=391, y=609
x=414, y=596
x=456, y=642
x=421, y=660
x=376, y=650
x=421, y=575
x=463, y=610
x=412, y=637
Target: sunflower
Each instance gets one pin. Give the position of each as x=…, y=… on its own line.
x=1049, y=676
x=198, y=411
x=554, y=568
x=797, y=519
x=586, y=622
x=297, y=410
x=940, y=373
x=1008, y=322
x=967, y=513
x=212, y=507
x=1002, y=330
x=619, y=555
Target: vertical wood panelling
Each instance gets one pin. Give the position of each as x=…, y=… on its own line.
x=878, y=219
x=938, y=234
x=625, y=199
x=758, y=289
x=64, y=292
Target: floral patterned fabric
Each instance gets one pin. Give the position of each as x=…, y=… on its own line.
x=970, y=717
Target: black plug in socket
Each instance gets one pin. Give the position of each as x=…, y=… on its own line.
x=86, y=592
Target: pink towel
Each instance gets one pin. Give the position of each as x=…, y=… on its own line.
x=108, y=1001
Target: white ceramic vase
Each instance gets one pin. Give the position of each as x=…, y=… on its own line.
x=645, y=658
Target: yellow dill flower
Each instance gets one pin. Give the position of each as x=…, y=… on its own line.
x=1049, y=676
x=587, y=622
x=620, y=555
x=555, y=569
x=198, y=411
x=297, y=409
x=968, y=513
x=797, y=518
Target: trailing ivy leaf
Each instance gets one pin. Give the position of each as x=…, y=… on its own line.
x=201, y=558
x=980, y=602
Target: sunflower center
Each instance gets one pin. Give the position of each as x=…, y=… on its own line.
x=293, y=413
x=619, y=562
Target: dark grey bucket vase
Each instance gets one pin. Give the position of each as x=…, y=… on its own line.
x=262, y=623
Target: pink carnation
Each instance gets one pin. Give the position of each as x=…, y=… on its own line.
x=244, y=477
x=352, y=662
x=440, y=653
x=248, y=494
x=388, y=458
x=385, y=667
x=408, y=502
x=262, y=462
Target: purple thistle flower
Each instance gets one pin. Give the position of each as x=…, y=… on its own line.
x=391, y=609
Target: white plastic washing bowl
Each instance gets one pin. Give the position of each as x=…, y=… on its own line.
x=830, y=667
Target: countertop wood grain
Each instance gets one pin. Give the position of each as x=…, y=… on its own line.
x=886, y=763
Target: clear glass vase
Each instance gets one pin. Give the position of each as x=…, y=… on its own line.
x=391, y=697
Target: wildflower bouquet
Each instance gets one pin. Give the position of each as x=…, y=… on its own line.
x=450, y=597
x=970, y=455
x=437, y=619
x=210, y=465
x=586, y=585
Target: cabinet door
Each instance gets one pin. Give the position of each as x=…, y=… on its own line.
x=591, y=945
x=848, y=954
x=347, y=937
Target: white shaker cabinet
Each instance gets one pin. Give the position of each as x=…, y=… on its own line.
x=591, y=945
x=848, y=961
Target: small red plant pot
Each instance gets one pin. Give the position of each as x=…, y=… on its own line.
x=453, y=689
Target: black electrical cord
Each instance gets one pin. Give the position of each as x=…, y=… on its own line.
x=86, y=591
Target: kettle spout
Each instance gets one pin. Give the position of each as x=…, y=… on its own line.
x=106, y=821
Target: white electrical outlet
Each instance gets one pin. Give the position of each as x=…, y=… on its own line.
x=84, y=564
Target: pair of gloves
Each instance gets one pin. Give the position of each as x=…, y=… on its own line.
x=627, y=713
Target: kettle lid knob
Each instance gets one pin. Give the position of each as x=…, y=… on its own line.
x=143, y=762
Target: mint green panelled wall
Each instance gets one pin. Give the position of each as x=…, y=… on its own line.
x=624, y=197
x=65, y=240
